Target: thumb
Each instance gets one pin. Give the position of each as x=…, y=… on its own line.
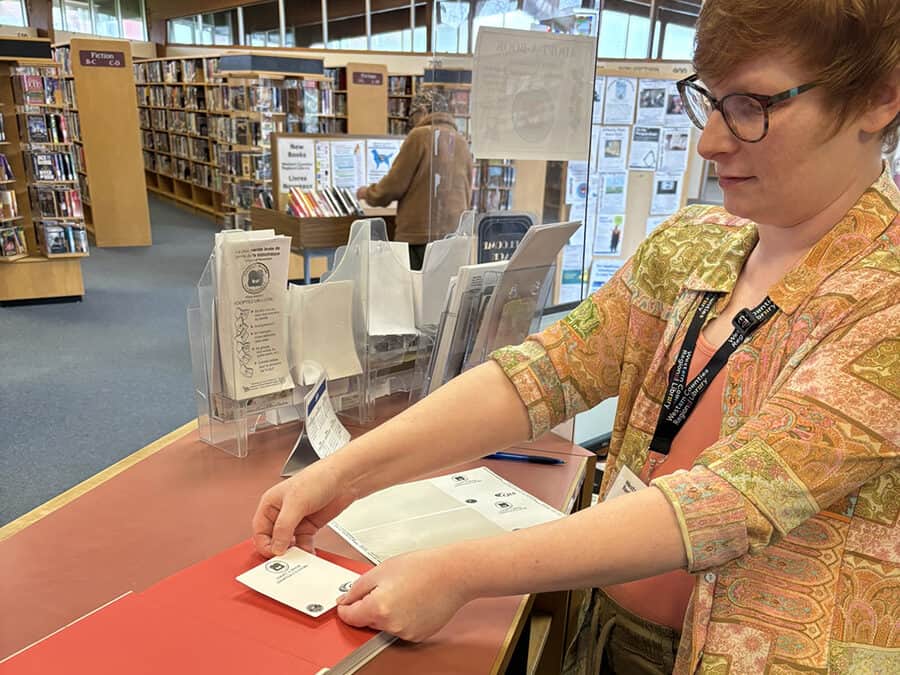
x=360, y=588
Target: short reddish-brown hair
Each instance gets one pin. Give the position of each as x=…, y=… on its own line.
x=852, y=46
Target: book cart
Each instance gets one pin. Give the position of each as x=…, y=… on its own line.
x=42, y=228
x=96, y=79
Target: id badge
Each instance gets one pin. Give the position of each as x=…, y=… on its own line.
x=626, y=482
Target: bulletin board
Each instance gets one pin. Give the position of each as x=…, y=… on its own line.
x=643, y=167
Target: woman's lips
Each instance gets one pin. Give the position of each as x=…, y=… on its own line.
x=731, y=181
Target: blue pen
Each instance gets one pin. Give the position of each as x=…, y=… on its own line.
x=519, y=457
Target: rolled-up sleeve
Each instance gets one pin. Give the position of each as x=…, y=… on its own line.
x=828, y=430
x=575, y=363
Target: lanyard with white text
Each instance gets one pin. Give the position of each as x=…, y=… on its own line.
x=681, y=396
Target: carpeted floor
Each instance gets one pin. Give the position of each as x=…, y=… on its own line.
x=87, y=383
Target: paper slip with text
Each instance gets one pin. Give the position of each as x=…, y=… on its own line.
x=437, y=511
x=300, y=580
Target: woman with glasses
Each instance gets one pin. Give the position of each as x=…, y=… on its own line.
x=749, y=519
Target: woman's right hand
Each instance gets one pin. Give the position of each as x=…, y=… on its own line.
x=290, y=513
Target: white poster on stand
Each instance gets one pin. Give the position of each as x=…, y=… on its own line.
x=596, y=151
x=602, y=270
x=618, y=107
x=599, y=90
x=666, y=194
x=296, y=164
x=613, y=149
x=323, y=165
x=348, y=164
x=380, y=156
x=676, y=116
x=572, y=272
x=673, y=149
x=651, y=109
x=608, y=238
x=531, y=94
x=644, y=148
x=576, y=182
x=613, y=193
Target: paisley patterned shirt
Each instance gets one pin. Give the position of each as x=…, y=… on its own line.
x=791, y=520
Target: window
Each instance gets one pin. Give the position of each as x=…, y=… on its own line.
x=451, y=27
x=303, y=23
x=624, y=36
x=78, y=16
x=678, y=42
x=502, y=14
x=133, y=26
x=181, y=31
x=106, y=18
x=261, y=25
x=109, y=18
x=12, y=13
x=225, y=27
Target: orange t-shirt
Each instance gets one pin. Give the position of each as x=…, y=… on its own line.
x=663, y=599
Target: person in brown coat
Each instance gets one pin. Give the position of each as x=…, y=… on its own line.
x=431, y=178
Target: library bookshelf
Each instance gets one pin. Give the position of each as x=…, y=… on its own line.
x=97, y=79
x=42, y=225
x=206, y=128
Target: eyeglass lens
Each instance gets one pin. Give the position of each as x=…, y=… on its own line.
x=744, y=115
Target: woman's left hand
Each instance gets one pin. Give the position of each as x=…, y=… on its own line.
x=411, y=596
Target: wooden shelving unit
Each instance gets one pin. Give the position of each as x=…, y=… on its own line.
x=205, y=131
x=367, y=87
x=191, y=83
x=36, y=145
x=101, y=112
x=401, y=90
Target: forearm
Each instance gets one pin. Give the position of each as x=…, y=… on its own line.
x=473, y=414
x=627, y=538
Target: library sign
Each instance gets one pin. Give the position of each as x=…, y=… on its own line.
x=89, y=57
x=368, y=78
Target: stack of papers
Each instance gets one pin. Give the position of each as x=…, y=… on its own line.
x=438, y=511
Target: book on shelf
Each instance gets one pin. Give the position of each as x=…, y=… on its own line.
x=52, y=166
x=328, y=203
x=56, y=202
x=36, y=128
x=6, y=172
x=61, y=238
x=9, y=207
x=12, y=242
x=459, y=102
x=2, y=129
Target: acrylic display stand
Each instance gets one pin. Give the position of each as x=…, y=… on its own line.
x=223, y=422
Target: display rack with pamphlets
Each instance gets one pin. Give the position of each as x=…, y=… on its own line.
x=42, y=233
x=492, y=304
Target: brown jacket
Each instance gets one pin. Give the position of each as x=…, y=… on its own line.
x=421, y=217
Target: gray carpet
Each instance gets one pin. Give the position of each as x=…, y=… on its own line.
x=85, y=384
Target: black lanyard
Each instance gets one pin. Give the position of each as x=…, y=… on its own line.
x=681, y=398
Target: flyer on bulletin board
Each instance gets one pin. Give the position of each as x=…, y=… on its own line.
x=618, y=108
x=380, y=157
x=348, y=164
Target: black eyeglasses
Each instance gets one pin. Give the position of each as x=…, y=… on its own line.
x=747, y=115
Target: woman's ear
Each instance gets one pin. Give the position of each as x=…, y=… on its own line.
x=884, y=106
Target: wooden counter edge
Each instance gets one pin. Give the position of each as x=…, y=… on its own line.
x=97, y=479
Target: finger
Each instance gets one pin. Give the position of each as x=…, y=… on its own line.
x=262, y=523
x=360, y=588
x=362, y=614
x=283, y=532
